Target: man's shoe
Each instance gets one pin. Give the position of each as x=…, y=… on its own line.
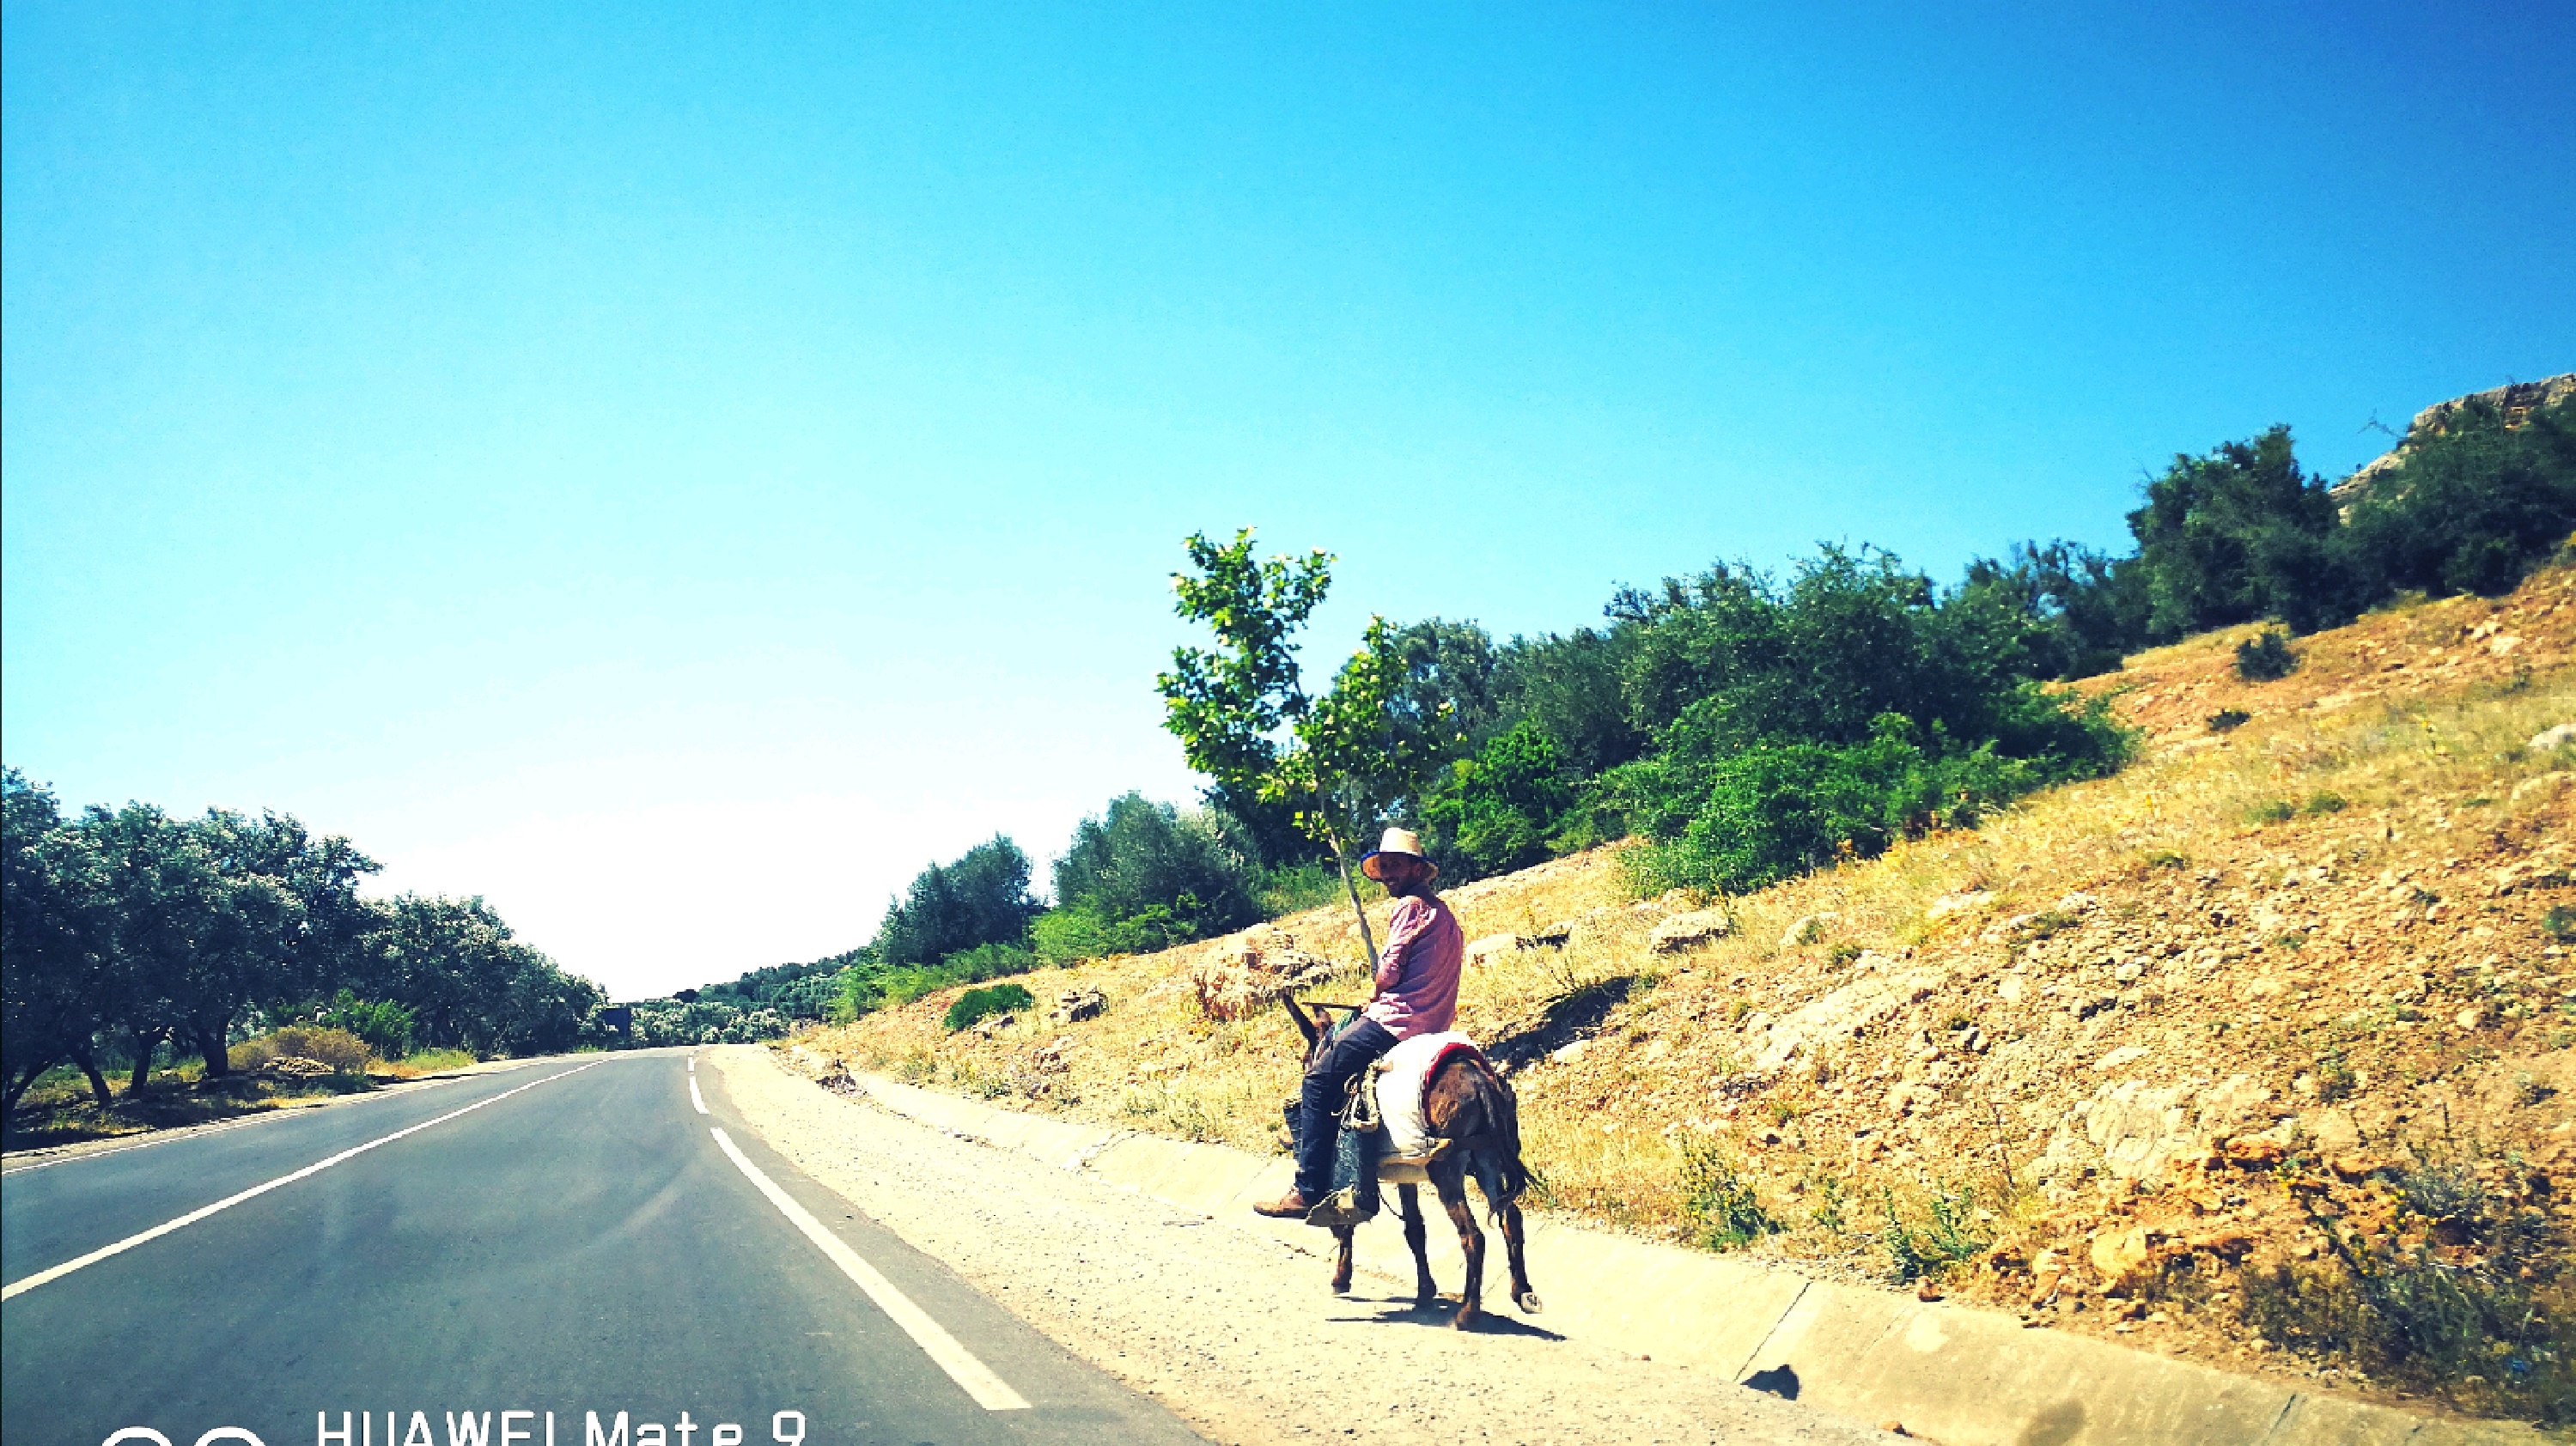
x=1291, y=1206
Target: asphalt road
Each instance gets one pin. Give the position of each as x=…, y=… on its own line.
x=580, y=1240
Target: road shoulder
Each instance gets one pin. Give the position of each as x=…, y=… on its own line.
x=1237, y=1333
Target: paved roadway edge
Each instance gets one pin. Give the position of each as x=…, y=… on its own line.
x=1951, y=1373
x=38, y=1157
x=26, y=1283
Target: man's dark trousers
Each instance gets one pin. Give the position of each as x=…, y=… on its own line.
x=1319, y=1107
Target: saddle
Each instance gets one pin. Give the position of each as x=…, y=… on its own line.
x=1385, y=1137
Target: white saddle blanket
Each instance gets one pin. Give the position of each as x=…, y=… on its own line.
x=1400, y=1089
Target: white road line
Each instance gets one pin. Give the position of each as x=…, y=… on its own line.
x=988, y=1389
x=16, y=1288
x=696, y=1098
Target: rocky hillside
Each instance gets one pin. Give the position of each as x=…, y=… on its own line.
x=2259, y=1050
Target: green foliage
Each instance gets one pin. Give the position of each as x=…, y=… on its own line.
x=1494, y=812
x=980, y=898
x=2467, y=1297
x=2266, y=657
x=2079, y=610
x=1946, y=1235
x=1765, y=764
x=1294, y=888
x=2560, y=922
x=384, y=1025
x=873, y=984
x=131, y=932
x=1569, y=689
x=2471, y=508
x=663, y=1022
x=1145, y=876
x=1717, y=1199
x=977, y=1004
x=2239, y=534
x=1341, y=761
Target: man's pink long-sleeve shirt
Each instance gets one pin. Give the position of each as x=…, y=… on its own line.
x=1417, y=976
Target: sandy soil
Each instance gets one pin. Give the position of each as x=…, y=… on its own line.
x=1236, y=1333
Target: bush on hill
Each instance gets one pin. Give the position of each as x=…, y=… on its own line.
x=2472, y=509
x=1143, y=876
x=975, y=1005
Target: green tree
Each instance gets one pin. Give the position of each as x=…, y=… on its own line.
x=53, y=990
x=1568, y=687
x=1494, y=812
x=1245, y=719
x=2239, y=534
x=981, y=898
x=2471, y=508
x=1141, y=861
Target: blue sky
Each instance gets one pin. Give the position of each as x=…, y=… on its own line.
x=674, y=472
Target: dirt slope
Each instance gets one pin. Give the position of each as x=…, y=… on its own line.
x=2168, y=1056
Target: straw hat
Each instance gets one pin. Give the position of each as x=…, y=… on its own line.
x=1399, y=843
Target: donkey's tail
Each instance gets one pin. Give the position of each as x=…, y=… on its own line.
x=1507, y=1126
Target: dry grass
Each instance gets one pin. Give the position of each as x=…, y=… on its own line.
x=2292, y=881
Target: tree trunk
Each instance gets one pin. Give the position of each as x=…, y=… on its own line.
x=1368, y=941
x=210, y=1044
x=144, y=1045
x=19, y=1080
x=98, y=1089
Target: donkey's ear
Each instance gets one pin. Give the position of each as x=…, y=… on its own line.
x=1305, y=1026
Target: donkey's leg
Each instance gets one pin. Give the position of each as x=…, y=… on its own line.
x=1408, y=1200
x=1509, y=1214
x=1451, y=1180
x=1342, y=1259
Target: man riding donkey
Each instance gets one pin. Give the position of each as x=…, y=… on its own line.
x=1416, y=994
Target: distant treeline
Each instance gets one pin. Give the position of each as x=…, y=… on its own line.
x=1747, y=726
x=126, y=930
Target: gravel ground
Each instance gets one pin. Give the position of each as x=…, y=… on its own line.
x=1236, y=1333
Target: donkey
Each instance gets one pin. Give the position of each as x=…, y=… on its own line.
x=1475, y=1121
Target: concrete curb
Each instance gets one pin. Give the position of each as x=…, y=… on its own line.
x=1950, y=1373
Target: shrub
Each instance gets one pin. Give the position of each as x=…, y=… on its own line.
x=1294, y=888
x=985, y=961
x=2466, y=1295
x=977, y=1004
x=383, y=1024
x=1778, y=809
x=1717, y=1199
x=2239, y=534
x=2560, y=922
x=2226, y=719
x=344, y=1052
x=1152, y=876
x=981, y=898
x=2266, y=657
x=1947, y=1235
x=1493, y=813
x=2472, y=507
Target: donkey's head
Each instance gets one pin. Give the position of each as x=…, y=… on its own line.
x=1315, y=1026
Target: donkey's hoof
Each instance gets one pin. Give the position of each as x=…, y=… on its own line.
x=1528, y=1302
x=1464, y=1320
